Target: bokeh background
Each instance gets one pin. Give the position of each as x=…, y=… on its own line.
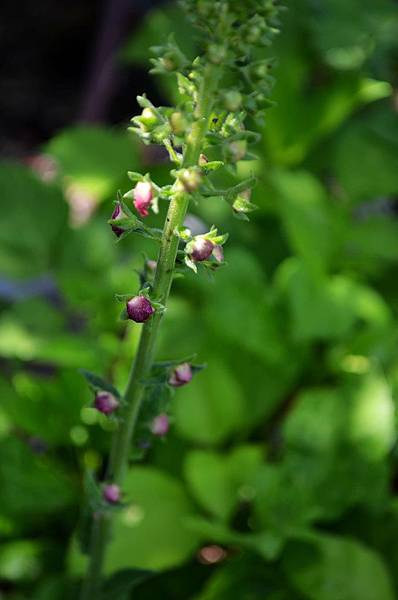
x=279, y=477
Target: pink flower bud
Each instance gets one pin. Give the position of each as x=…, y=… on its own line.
x=143, y=196
x=181, y=375
x=111, y=493
x=218, y=253
x=106, y=402
x=200, y=249
x=117, y=214
x=139, y=309
x=160, y=425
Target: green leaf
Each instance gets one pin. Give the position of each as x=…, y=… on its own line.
x=311, y=225
x=120, y=584
x=35, y=223
x=219, y=481
x=95, y=159
x=98, y=384
x=149, y=532
x=210, y=408
x=325, y=567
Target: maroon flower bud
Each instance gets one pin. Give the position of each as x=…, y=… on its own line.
x=117, y=214
x=139, y=309
x=181, y=375
x=106, y=402
x=143, y=196
x=200, y=249
x=111, y=493
x=160, y=425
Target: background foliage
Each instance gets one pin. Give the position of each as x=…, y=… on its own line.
x=283, y=451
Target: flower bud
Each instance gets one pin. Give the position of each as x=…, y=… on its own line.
x=160, y=425
x=233, y=100
x=181, y=375
x=139, y=309
x=237, y=150
x=143, y=196
x=111, y=493
x=203, y=160
x=191, y=179
x=218, y=253
x=178, y=123
x=217, y=53
x=117, y=214
x=106, y=402
x=200, y=249
x=148, y=119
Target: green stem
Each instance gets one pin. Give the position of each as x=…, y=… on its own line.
x=122, y=439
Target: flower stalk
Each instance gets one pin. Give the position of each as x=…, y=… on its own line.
x=208, y=116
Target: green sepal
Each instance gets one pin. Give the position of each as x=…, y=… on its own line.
x=96, y=383
x=213, y=165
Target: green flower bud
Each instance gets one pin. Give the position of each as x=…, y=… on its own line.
x=217, y=53
x=190, y=178
x=233, y=100
x=148, y=119
x=178, y=123
x=237, y=150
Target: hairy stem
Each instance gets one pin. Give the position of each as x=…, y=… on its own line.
x=122, y=440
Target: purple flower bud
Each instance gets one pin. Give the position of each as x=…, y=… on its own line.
x=117, y=214
x=111, y=493
x=200, y=249
x=181, y=375
x=160, y=425
x=106, y=402
x=139, y=309
x=143, y=196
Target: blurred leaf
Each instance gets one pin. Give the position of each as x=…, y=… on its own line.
x=43, y=407
x=19, y=560
x=35, y=223
x=328, y=308
x=211, y=408
x=326, y=567
x=94, y=159
x=32, y=486
x=119, y=585
x=219, y=482
x=311, y=223
x=346, y=34
x=375, y=142
x=247, y=577
x=149, y=533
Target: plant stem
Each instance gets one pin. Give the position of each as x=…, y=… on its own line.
x=122, y=439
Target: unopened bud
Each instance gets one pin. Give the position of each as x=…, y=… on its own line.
x=217, y=53
x=160, y=425
x=242, y=203
x=143, y=196
x=218, y=253
x=191, y=179
x=237, y=150
x=178, y=123
x=233, y=100
x=200, y=249
x=106, y=403
x=181, y=375
x=139, y=309
x=117, y=214
x=148, y=119
x=111, y=493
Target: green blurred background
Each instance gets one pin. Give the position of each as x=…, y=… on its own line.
x=279, y=477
